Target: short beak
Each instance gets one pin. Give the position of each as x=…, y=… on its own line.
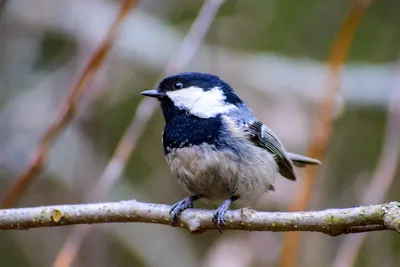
x=152, y=93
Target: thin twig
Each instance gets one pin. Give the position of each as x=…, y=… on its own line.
x=322, y=125
x=332, y=221
x=383, y=177
x=145, y=110
x=66, y=112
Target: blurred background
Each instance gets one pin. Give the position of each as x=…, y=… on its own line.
x=272, y=52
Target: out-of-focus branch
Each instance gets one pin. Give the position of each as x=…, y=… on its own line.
x=332, y=221
x=145, y=110
x=323, y=124
x=65, y=114
x=382, y=179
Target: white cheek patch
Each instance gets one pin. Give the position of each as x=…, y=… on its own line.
x=203, y=104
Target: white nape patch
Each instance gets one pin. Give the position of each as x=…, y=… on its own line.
x=203, y=104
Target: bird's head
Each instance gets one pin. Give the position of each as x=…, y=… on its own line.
x=199, y=94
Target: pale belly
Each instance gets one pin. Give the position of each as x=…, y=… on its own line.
x=217, y=174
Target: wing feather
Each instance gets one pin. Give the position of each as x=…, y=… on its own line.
x=263, y=137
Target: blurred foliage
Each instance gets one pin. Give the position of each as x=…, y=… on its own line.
x=359, y=132
x=55, y=49
x=299, y=28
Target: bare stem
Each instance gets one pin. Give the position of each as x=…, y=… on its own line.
x=331, y=221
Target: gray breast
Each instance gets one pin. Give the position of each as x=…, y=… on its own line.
x=219, y=174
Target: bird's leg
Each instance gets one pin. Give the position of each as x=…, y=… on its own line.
x=180, y=206
x=221, y=210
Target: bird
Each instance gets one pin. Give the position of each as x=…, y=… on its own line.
x=216, y=147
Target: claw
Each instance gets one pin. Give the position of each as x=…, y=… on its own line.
x=178, y=207
x=219, y=214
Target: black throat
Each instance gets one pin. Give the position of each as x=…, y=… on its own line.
x=183, y=129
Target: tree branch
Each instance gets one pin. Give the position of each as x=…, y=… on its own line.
x=332, y=221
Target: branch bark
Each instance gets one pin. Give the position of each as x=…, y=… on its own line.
x=332, y=221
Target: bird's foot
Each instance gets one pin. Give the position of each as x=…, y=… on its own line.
x=178, y=207
x=219, y=214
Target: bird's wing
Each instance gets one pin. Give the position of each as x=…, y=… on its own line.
x=261, y=136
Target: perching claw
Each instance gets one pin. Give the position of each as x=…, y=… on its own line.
x=178, y=207
x=219, y=214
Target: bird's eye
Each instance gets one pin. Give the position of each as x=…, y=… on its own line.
x=177, y=85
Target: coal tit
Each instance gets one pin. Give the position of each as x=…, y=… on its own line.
x=215, y=146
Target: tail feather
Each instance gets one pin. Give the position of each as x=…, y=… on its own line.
x=301, y=161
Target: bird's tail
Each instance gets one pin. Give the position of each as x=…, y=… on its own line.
x=301, y=161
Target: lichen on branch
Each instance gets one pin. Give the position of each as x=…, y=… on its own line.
x=331, y=221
